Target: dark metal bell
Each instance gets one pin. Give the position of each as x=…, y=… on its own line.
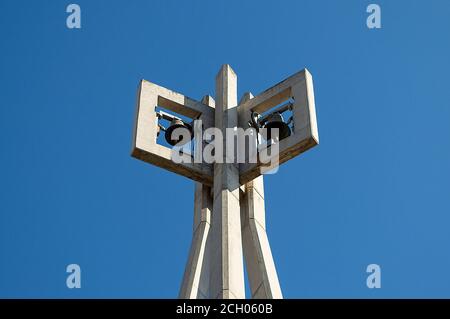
x=276, y=121
x=177, y=123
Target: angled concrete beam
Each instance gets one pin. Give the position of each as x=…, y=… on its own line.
x=261, y=269
x=195, y=282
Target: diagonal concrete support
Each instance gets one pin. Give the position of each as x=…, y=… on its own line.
x=261, y=270
x=195, y=283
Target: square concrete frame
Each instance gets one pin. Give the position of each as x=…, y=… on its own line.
x=305, y=134
x=145, y=145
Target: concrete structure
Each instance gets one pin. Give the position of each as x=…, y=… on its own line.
x=229, y=211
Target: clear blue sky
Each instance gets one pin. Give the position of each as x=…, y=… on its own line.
x=376, y=190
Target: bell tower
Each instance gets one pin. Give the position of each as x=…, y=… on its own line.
x=229, y=204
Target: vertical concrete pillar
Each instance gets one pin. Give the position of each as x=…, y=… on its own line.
x=227, y=268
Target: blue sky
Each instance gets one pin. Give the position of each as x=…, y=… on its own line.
x=376, y=190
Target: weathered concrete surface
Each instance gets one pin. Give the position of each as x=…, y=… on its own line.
x=227, y=268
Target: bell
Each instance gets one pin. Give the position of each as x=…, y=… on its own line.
x=177, y=123
x=276, y=121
